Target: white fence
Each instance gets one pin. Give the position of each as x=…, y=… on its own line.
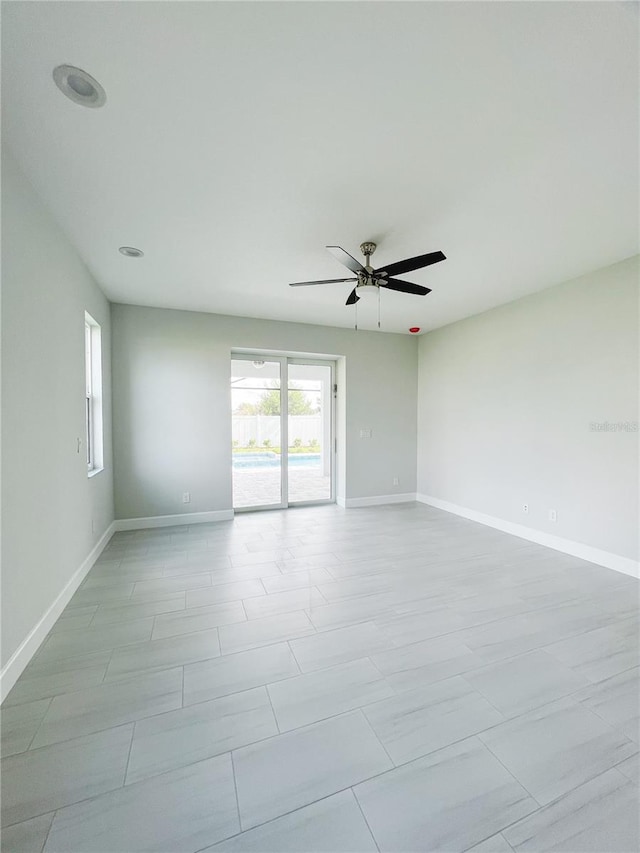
x=261, y=428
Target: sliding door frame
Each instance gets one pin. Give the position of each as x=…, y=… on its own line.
x=318, y=362
x=284, y=361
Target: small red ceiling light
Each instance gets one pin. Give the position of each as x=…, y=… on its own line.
x=414, y=330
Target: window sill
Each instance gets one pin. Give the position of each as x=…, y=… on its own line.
x=94, y=471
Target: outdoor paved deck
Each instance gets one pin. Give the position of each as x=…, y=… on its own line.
x=262, y=487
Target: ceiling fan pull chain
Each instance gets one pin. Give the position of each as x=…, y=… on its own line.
x=356, y=316
x=378, y=307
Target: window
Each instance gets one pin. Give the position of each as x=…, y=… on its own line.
x=93, y=394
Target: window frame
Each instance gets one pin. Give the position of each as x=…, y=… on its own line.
x=93, y=395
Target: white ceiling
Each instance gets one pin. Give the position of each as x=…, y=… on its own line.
x=239, y=139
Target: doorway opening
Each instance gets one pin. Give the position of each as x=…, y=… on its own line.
x=283, y=445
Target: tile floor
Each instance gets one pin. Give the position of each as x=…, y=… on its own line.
x=393, y=678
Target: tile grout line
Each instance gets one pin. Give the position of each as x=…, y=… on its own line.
x=364, y=818
x=472, y=651
x=367, y=722
x=235, y=788
x=355, y=709
x=244, y=610
x=75, y=802
x=300, y=670
x=493, y=834
x=513, y=776
x=35, y=734
x=298, y=809
x=555, y=801
x=126, y=768
x=273, y=710
x=46, y=838
x=101, y=731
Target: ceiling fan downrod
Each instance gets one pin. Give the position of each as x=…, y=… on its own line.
x=366, y=277
x=368, y=248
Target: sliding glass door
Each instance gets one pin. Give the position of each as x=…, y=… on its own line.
x=310, y=457
x=282, y=431
x=256, y=433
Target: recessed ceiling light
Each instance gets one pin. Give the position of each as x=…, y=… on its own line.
x=131, y=252
x=79, y=86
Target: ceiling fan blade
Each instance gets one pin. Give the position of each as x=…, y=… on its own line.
x=405, y=286
x=413, y=263
x=325, y=281
x=346, y=259
x=353, y=298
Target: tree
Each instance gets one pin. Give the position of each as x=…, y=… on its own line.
x=245, y=409
x=269, y=404
x=299, y=403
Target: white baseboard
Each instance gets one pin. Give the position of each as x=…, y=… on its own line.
x=376, y=500
x=577, y=549
x=341, y=501
x=16, y=664
x=173, y=520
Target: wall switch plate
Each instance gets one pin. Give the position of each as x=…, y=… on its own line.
x=365, y=432
x=525, y=508
x=396, y=481
x=186, y=497
x=553, y=515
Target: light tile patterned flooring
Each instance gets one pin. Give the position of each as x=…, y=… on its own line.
x=392, y=678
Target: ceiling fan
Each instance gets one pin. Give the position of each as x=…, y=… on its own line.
x=369, y=280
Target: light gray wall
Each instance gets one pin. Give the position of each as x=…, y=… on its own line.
x=49, y=504
x=172, y=406
x=506, y=400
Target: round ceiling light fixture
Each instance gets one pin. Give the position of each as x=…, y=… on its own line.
x=131, y=252
x=367, y=287
x=78, y=86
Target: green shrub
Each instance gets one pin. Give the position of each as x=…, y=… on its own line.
x=267, y=442
x=251, y=442
x=297, y=442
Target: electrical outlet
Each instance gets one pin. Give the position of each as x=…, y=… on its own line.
x=186, y=497
x=396, y=481
x=525, y=509
x=553, y=515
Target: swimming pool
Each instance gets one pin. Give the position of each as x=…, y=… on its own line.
x=259, y=461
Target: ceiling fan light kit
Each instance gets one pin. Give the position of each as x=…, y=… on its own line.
x=369, y=280
x=367, y=287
